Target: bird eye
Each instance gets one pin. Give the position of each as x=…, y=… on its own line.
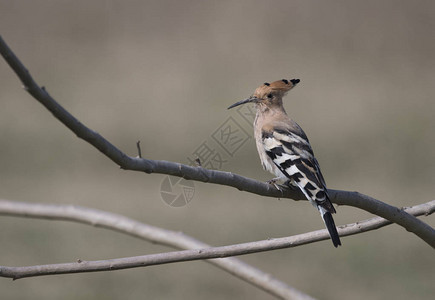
x=270, y=96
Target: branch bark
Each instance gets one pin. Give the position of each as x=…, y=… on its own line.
x=198, y=250
x=394, y=214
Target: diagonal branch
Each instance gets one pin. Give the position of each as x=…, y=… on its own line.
x=166, y=237
x=394, y=214
x=147, y=232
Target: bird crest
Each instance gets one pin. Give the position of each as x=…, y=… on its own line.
x=279, y=87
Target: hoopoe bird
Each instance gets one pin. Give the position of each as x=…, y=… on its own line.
x=285, y=151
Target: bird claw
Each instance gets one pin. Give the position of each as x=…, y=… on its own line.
x=273, y=182
x=291, y=186
x=288, y=184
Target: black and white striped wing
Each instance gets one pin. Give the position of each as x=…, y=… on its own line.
x=292, y=154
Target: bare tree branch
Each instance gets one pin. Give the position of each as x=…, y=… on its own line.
x=150, y=233
x=394, y=214
x=173, y=239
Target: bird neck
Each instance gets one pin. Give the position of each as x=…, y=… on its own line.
x=268, y=112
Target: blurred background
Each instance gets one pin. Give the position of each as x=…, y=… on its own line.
x=164, y=72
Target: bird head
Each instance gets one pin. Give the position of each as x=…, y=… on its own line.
x=270, y=94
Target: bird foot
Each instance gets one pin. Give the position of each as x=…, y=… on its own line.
x=280, y=187
x=274, y=183
x=291, y=186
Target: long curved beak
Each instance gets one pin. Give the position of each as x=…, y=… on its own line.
x=249, y=100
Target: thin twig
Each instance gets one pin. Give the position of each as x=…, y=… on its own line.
x=166, y=237
x=394, y=214
x=139, y=151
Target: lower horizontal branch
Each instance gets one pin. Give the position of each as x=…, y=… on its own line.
x=186, y=255
x=150, y=233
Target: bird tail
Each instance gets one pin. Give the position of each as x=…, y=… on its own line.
x=330, y=225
